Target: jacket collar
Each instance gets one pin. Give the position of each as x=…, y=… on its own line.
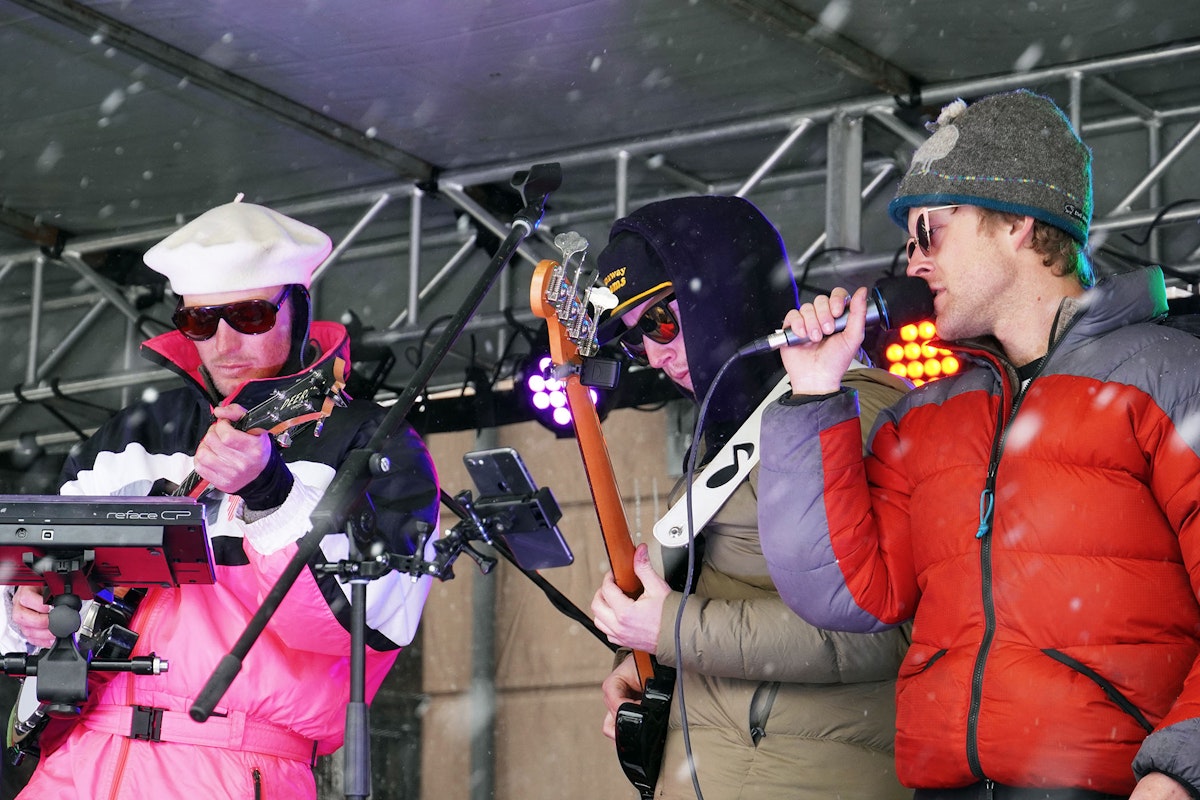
x=177, y=353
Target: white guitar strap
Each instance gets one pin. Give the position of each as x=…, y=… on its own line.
x=720, y=477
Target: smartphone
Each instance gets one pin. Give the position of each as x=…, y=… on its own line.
x=517, y=512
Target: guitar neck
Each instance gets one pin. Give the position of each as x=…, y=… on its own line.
x=309, y=399
x=614, y=526
x=571, y=320
x=593, y=450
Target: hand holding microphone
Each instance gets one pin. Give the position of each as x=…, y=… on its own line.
x=890, y=303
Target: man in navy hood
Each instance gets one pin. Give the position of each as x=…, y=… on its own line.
x=770, y=695
x=727, y=268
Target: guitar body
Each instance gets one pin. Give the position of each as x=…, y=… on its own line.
x=641, y=728
x=642, y=731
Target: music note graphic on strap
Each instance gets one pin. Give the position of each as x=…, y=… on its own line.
x=725, y=474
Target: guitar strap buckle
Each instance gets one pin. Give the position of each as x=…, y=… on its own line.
x=146, y=724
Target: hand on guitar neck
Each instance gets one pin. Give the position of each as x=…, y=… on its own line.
x=229, y=458
x=628, y=622
x=632, y=622
x=237, y=448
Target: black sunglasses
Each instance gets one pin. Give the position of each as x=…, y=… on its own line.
x=199, y=323
x=924, y=237
x=657, y=323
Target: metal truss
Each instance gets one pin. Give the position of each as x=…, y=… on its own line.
x=849, y=178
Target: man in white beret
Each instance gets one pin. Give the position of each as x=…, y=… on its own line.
x=243, y=335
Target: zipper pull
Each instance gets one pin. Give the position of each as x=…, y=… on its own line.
x=990, y=785
x=987, y=502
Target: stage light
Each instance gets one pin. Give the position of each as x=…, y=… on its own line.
x=913, y=356
x=547, y=396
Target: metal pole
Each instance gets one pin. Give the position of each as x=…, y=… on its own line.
x=482, y=692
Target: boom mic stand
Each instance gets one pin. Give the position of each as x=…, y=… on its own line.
x=349, y=486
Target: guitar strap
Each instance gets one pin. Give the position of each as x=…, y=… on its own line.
x=720, y=476
x=340, y=370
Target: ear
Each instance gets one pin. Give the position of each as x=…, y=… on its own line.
x=1020, y=232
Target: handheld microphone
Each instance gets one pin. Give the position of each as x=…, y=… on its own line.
x=891, y=303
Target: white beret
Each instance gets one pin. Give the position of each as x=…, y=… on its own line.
x=238, y=246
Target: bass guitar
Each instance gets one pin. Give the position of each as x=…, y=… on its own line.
x=571, y=307
x=103, y=632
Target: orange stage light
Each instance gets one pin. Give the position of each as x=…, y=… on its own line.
x=912, y=356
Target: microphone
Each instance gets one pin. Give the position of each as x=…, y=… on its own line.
x=891, y=303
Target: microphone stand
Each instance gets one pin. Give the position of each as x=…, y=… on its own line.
x=350, y=483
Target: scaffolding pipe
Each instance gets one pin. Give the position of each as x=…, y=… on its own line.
x=351, y=236
x=1154, y=174
x=801, y=128
x=35, y=319
x=414, y=257
x=461, y=255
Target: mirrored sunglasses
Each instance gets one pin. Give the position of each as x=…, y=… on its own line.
x=199, y=323
x=657, y=323
x=924, y=237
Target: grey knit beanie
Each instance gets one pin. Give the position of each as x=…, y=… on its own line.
x=1012, y=152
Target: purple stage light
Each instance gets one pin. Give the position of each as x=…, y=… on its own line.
x=548, y=396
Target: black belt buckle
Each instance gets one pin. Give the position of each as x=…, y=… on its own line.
x=146, y=724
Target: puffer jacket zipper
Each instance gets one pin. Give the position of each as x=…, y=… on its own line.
x=1010, y=387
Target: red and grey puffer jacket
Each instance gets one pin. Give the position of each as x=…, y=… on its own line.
x=287, y=704
x=1046, y=544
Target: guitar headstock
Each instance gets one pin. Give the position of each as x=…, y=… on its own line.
x=569, y=296
x=310, y=399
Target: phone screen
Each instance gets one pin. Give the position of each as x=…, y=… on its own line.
x=516, y=511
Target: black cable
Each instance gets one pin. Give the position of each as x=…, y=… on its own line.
x=802, y=280
x=472, y=368
x=691, y=571
x=556, y=598
x=1155, y=222
x=528, y=333
x=416, y=354
x=21, y=398
x=57, y=392
x=1136, y=261
x=659, y=406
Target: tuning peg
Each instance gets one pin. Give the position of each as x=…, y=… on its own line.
x=602, y=299
x=569, y=244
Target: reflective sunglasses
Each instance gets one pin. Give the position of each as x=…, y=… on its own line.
x=658, y=323
x=199, y=323
x=924, y=237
